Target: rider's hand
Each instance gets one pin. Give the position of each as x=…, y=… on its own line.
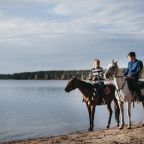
x=129, y=77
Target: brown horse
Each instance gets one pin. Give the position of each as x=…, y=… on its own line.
x=88, y=90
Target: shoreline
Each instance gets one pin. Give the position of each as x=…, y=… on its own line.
x=135, y=135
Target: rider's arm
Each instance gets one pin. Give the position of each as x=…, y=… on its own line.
x=137, y=71
x=126, y=72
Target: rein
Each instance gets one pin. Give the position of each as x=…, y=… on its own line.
x=118, y=90
x=122, y=86
x=120, y=76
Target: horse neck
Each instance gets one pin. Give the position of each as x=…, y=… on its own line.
x=82, y=88
x=121, y=84
x=119, y=79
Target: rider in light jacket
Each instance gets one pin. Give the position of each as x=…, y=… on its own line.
x=96, y=74
x=97, y=78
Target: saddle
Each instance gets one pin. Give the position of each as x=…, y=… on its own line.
x=101, y=89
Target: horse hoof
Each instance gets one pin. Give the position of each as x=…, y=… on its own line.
x=121, y=127
x=117, y=125
x=90, y=129
x=143, y=124
x=128, y=127
x=107, y=127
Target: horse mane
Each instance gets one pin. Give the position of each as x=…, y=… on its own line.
x=90, y=86
x=112, y=87
x=86, y=85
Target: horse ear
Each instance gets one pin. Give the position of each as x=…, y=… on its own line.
x=113, y=61
x=116, y=61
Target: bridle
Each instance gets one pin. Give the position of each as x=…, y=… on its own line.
x=118, y=90
x=119, y=76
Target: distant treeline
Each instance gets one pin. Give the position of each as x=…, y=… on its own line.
x=52, y=75
x=47, y=75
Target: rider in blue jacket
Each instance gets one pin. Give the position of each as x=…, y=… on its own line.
x=132, y=73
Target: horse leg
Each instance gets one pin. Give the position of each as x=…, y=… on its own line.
x=121, y=115
x=90, y=118
x=117, y=110
x=143, y=108
x=110, y=114
x=129, y=114
x=93, y=114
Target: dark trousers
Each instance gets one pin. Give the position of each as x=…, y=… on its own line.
x=133, y=86
x=100, y=89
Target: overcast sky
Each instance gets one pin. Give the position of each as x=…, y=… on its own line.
x=68, y=34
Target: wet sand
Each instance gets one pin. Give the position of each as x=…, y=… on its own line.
x=135, y=135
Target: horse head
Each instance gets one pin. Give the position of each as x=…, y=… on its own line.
x=111, y=70
x=72, y=84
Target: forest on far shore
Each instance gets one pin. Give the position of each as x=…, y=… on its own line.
x=47, y=75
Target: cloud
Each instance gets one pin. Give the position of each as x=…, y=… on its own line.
x=60, y=9
x=48, y=32
x=118, y=17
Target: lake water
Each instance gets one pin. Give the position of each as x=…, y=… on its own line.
x=42, y=108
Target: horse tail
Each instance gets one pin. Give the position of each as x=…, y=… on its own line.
x=116, y=109
x=143, y=104
x=133, y=103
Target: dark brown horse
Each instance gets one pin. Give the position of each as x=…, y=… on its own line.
x=88, y=90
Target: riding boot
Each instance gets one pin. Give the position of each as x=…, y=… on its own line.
x=100, y=99
x=100, y=95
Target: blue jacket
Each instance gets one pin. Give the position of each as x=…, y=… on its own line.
x=134, y=69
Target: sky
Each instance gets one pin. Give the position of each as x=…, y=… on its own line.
x=68, y=34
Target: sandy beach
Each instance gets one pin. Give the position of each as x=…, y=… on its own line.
x=135, y=135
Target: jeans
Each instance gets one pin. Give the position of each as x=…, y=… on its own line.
x=133, y=86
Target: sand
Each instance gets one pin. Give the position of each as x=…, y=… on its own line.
x=135, y=135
